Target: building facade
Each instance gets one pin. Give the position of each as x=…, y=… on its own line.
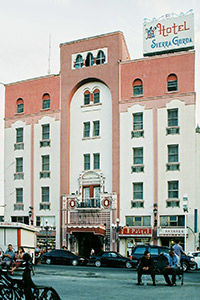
x=100, y=153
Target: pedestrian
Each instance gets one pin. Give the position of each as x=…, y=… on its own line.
x=146, y=266
x=18, y=259
x=172, y=267
x=9, y=255
x=178, y=250
x=197, y=248
x=92, y=252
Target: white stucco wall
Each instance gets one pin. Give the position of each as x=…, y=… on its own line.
x=126, y=161
x=10, y=169
x=102, y=144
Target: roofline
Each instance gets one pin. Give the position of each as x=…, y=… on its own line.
x=158, y=56
x=31, y=79
x=92, y=37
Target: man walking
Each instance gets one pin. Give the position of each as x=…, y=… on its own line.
x=178, y=250
x=146, y=266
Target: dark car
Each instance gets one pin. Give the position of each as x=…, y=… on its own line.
x=111, y=259
x=187, y=261
x=62, y=257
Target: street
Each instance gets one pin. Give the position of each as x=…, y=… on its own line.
x=81, y=283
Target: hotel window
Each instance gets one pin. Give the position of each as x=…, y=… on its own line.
x=86, y=129
x=78, y=62
x=46, y=101
x=172, y=121
x=86, y=161
x=45, y=194
x=100, y=59
x=173, y=194
x=89, y=60
x=137, y=156
x=45, y=132
x=45, y=162
x=137, y=126
x=19, y=135
x=172, y=83
x=96, y=96
x=138, y=191
x=19, y=164
x=173, y=158
x=20, y=106
x=137, y=87
x=96, y=159
x=96, y=128
x=19, y=195
x=86, y=97
x=172, y=117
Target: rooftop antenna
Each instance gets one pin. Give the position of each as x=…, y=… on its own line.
x=49, y=58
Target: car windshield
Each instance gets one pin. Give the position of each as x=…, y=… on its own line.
x=139, y=250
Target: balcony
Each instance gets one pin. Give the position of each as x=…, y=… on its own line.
x=19, y=146
x=45, y=206
x=173, y=166
x=173, y=203
x=137, y=168
x=18, y=206
x=173, y=130
x=45, y=174
x=45, y=143
x=19, y=175
x=137, y=133
x=137, y=203
x=89, y=203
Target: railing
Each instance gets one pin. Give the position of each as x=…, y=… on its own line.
x=24, y=289
x=90, y=203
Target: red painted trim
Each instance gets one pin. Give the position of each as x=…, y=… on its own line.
x=18, y=237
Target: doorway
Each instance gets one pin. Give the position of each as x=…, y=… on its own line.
x=88, y=241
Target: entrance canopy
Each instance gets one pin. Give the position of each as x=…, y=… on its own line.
x=99, y=229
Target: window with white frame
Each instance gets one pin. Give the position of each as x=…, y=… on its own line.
x=138, y=220
x=46, y=101
x=100, y=59
x=173, y=153
x=79, y=62
x=173, y=189
x=96, y=96
x=96, y=159
x=138, y=191
x=45, y=163
x=19, y=164
x=45, y=132
x=86, y=98
x=138, y=156
x=86, y=161
x=86, y=129
x=19, y=195
x=96, y=128
x=170, y=221
x=19, y=135
x=45, y=193
x=138, y=121
x=172, y=117
x=89, y=60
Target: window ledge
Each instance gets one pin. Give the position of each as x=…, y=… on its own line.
x=137, y=96
x=172, y=92
x=91, y=105
x=91, y=138
x=44, y=109
x=21, y=113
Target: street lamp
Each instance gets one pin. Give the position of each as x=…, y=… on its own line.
x=46, y=228
x=185, y=209
x=117, y=233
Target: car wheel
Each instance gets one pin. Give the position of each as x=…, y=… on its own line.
x=128, y=265
x=48, y=261
x=98, y=263
x=74, y=262
x=185, y=267
x=193, y=268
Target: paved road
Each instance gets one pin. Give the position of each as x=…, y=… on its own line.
x=85, y=283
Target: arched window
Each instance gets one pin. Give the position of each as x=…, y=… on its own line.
x=89, y=60
x=100, y=58
x=46, y=101
x=137, y=87
x=96, y=96
x=79, y=62
x=20, y=105
x=172, y=83
x=86, y=98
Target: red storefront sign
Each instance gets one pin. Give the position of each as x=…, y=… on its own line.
x=133, y=231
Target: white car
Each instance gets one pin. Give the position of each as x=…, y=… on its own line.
x=196, y=255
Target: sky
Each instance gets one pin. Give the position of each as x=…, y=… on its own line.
x=25, y=27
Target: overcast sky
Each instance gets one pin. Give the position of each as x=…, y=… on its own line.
x=25, y=26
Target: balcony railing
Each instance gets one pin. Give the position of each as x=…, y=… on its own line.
x=90, y=203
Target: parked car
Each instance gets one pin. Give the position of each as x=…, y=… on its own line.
x=111, y=259
x=62, y=257
x=187, y=261
x=196, y=255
